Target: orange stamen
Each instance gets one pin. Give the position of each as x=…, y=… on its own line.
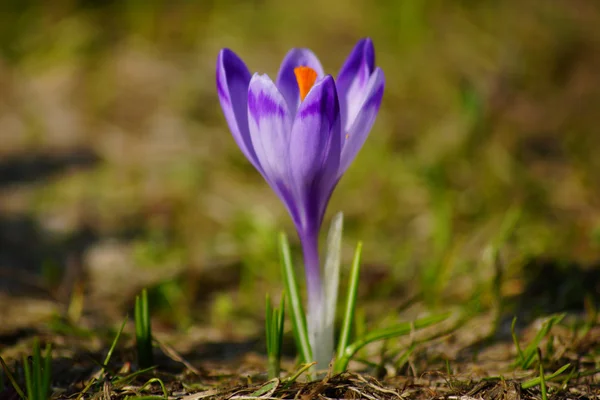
x=306, y=77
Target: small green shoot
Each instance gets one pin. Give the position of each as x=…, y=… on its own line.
x=542, y=378
x=297, y=311
x=143, y=331
x=274, y=332
x=516, y=340
x=350, y=309
x=38, y=373
x=525, y=358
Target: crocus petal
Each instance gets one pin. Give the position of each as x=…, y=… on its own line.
x=233, y=79
x=355, y=137
x=270, y=126
x=315, y=149
x=353, y=79
x=286, y=79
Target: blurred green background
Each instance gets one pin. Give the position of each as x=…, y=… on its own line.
x=117, y=170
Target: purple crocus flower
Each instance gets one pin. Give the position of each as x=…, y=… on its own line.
x=301, y=133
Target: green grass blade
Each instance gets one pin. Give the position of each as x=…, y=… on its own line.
x=298, y=373
x=143, y=330
x=266, y=390
x=274, y=336
x=137, y=316
x=530, y=352
x=537, y=381
x=125, y=380
x=106, y=359
x=28, y=379
x=399, y=330
x=291, y=288
x=37, y=370
x=350, y=308
x=507, y=227
x=405, y=356
x=543, y=388
x=113, y=345
x=520, y=356
x=165, y=395
x=12, y=380
x=278, y=326
x=281, y=320
x=146, y=317
x=47, y=372
x=387, y=333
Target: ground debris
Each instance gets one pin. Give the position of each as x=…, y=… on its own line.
x=359, y=386
x=342, y=386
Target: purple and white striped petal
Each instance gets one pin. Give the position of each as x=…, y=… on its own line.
x=353, y=79
x=270, y=125
x=315, y=147
x=233, y=79
x=359, y=130
x=286, y=79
